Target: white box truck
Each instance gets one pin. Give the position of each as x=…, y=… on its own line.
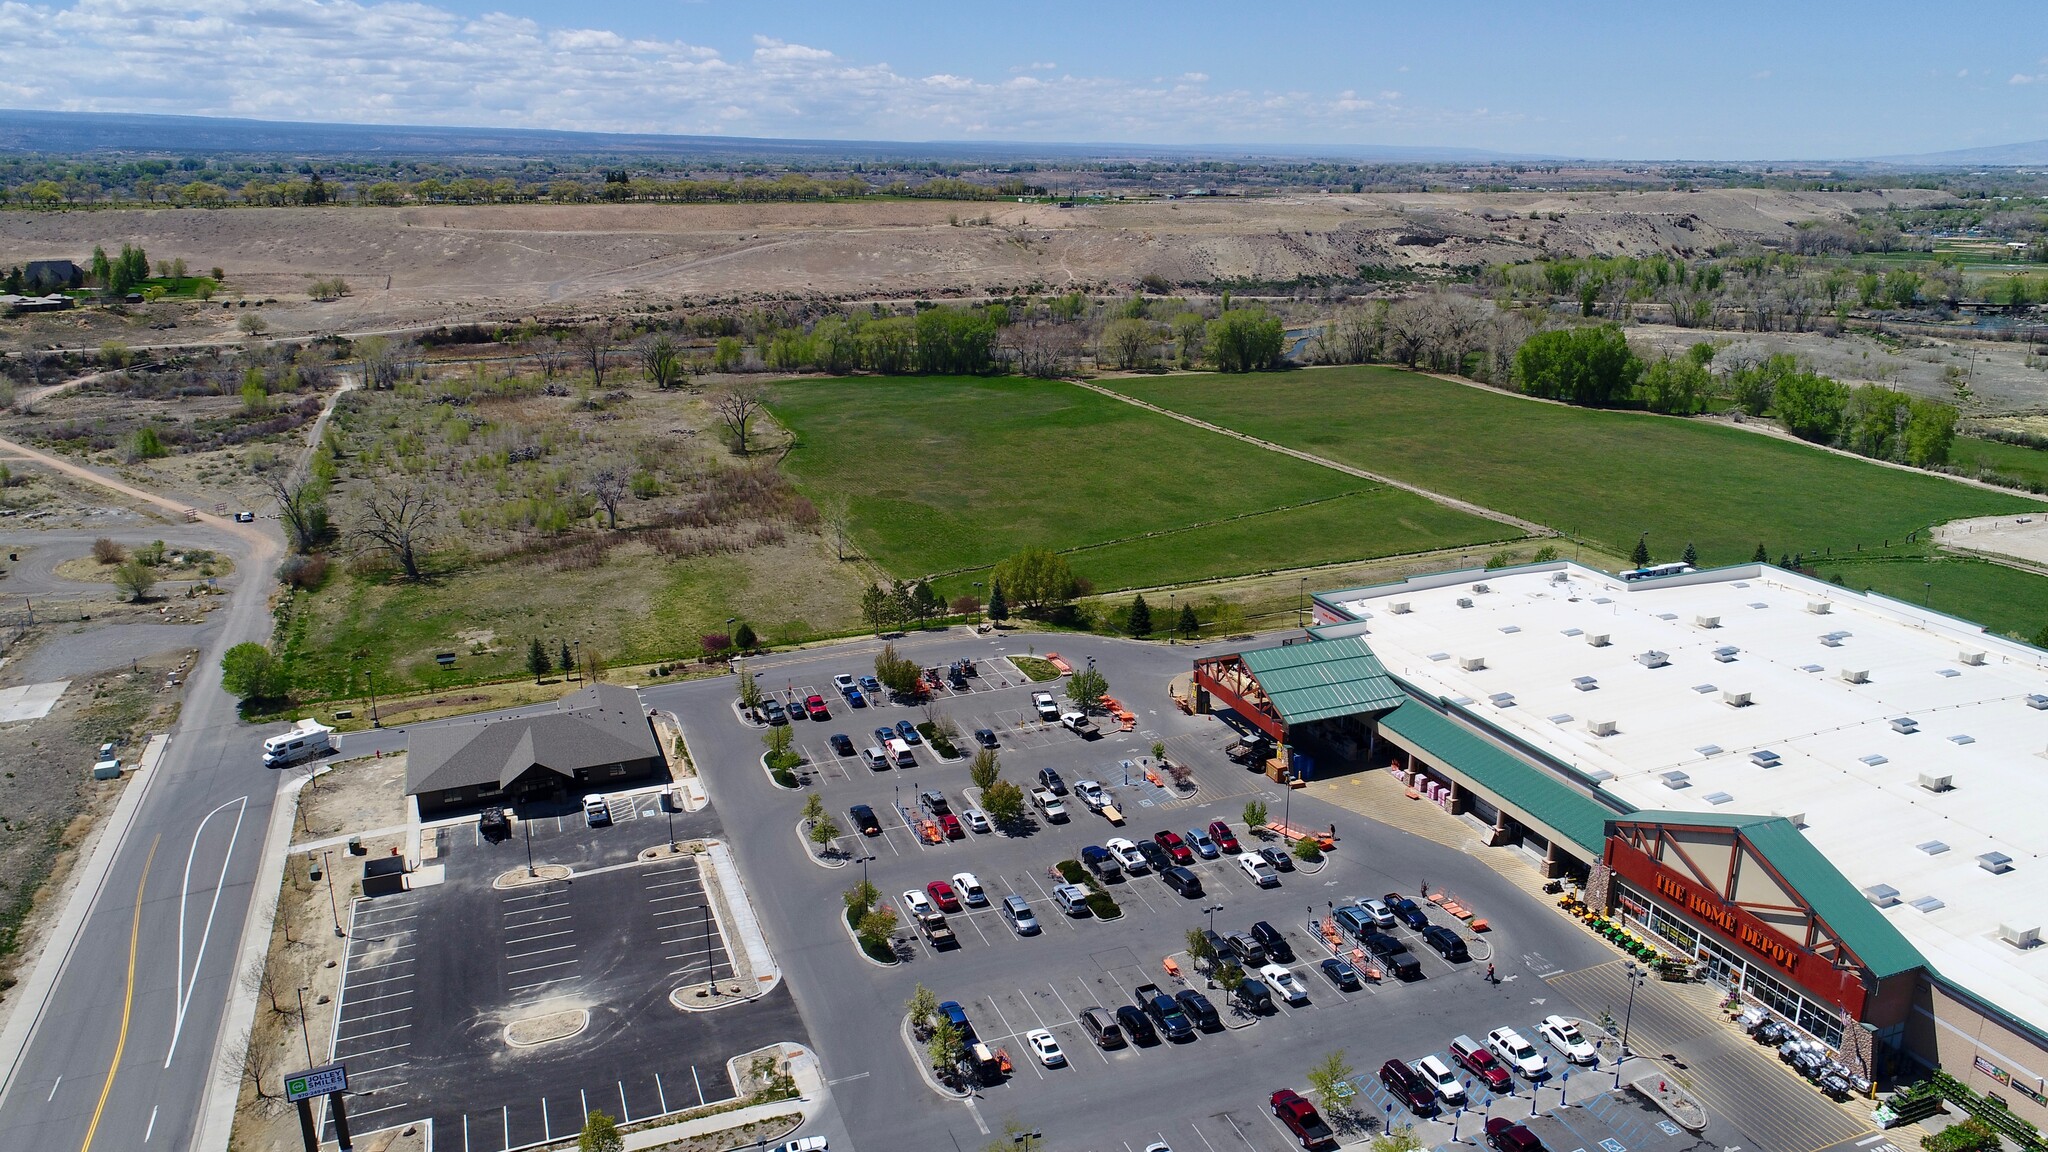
x=307, y=738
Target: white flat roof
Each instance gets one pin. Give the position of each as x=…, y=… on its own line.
x=1828, y=694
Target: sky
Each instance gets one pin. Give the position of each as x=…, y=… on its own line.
x=1729, y=81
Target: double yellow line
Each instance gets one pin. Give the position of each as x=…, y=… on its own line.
x=127, y=1000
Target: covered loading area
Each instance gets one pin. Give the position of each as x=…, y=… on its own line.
x=1313, y=697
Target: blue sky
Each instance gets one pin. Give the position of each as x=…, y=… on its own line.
x=1738, y=81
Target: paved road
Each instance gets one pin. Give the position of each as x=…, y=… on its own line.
x=120, y=1052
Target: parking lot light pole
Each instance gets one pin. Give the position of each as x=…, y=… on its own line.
x=1212, y=910
x=332, y=906
x=526, y=826
x=1025, y=1138
x=1635, y=975
x=304, y=1026
x=710, y=967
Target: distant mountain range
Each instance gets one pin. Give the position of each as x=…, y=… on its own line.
x=2032, y=153
x=78, y=132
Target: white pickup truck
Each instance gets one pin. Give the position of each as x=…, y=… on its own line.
x=305, y=739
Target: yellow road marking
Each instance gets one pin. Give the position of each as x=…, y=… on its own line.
x=127, y=1000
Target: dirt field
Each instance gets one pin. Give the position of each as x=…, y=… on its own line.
x=2002, y=377
x=430, y=265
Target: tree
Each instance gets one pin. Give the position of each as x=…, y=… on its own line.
x=301, y=505
x=1586, y=366
x=875, y=927
x=1004, y=803
x=1127, y=344
x=1230, y=978
x=1139, y=621
x=1255, y=814
x=608, y=488
x=874, y=608
x=1189, y=627
x=1810, y=406
x=1086, y=688
x=148, y=444
x=998, y=608
x=943, y=1048
x=750, y=689
x=1199, y=948
x=824, y=830
x=1036, y=579
x=1761, y=556
x=744, y=638
x=1930, y=432
x=1400, y=1139
x=814, y=808
x=537, y=661
x=837, y=512
x=1677, y=387
x=1329, y=1080
x=253, y=325
x=596, y=341
x=1245, y=340
x=1230, y=618
x=1640, y=554
x=565, y=661
x=923, y=1007
x=662, y=363
x=985, y=769
x=1308, y=850
x=252, y=672
x=859, y=898
x=1691, y=556
x=600, y=1134
x=778, y=739
x=924, y=603
x=897, y=674
x=399, y=518
x=737, y=404
x=955, y=341
x=136, y=579
x=107, y=550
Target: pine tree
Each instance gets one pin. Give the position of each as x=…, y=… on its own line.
x=1641, y=556
x=1692, y=555
x=1139, y=623
x=1761, y=557
x=744, y=639
x=1189, y=626
x=998, y=608
x=537, y=661
x=565, y=662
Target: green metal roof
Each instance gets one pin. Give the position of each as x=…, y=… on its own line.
x=1854, y=919
x=1555, y=803
x=1323, y=678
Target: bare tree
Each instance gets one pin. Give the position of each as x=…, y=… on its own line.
x=1046, y=351
x=1128, y=343
x=596, y=341
x=299, y=502
x=838, y=516
x=1410, y=327
x=737, y=404
x=662, y=363
x=608, y=488
x=399, y=518
x=550, y=357
x=384, y=362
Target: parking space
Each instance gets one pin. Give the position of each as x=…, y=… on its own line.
x=376, y=1012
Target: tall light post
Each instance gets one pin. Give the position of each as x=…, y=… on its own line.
x=978, y=605
x=1212, y=910
x=1024, y=1139
x=1302, y=599
x=526, y=827
x=1636, y=975
x=332, y=905
x=304, y=1025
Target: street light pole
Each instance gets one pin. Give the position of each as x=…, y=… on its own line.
x=303, y=1026
x=1025, y=1138
x=710, y=965
x=332, y=906
x=526, y=827
x=1302, y=602
x=1635, y=977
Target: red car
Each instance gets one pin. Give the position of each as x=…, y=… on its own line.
x=1175, y=847
x=1302, y=1120
x=814, y=707
x=1225, y=839
x=951, y=824
x=1481, y=1063
x=943, y=895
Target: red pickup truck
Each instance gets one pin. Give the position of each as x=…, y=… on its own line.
x=1481, y=1063
x=1301, y=1118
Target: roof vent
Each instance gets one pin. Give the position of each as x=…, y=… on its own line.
x=1856, y=675
x=1929, y=904
x=1585, y=683
x=1600, y=727
x=1882, y=895
x=1400, y=607
x=1758, y=604
x=1481, y=588
x=1574, y=632
x=1832, y=639
x=1717, y=798
x=1707, y=621
x=1667, y=615
x=1472, y=663
x=1932, y=847
x=1961, y=738
x=1947, y=673
x=1874, y=759
x=1810, y=668
x=1703, y=689
x=1598, y=775
x=1996, y=863
x=2038, y=701
x=1797, y=819
x=1819, y=607
x=1741, y=584
x=1726, y=655
x=1675, y=780
x=1503, y=699
x=1764, y=758
x=1512, y=629
x=1603, y=600
x=1708, y=749
x=1653, y=659
x=1972, y=657
x=1736, y=699
x=1464, y=601
x=2019, y=937
x=1439, y=656
x=1561, y=718
x=1936, y=783
x=1905, y=725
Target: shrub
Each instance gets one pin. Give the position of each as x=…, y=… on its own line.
x=1972, y=1135
x=1308, y=850
x=1103, y=906
x=1071, y=872
x=307, y=572
x=715, y=643
x=108, y=551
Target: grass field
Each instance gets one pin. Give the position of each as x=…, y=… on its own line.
x=1605, y=476
x=2018, y=461
x=2002, y=599
x=951, y=475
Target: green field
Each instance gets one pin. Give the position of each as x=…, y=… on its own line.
x=951, y=475
x=2015, y=460
x=2002, y=599
x=1603, y=476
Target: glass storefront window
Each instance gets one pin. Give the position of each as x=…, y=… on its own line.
x=1727, y=967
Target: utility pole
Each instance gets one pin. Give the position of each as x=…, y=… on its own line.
x=332, y=905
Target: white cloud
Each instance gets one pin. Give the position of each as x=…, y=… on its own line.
x=409, y=61
x=2022, y=78
x=1763, y=75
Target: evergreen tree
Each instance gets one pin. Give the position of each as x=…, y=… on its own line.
x=1761, y=557
x=1692, y=556
x=1189, y=626
x=744, y=639
x=998, y=608
x=565, y=661
x=537, y=661
x=1641, y=556
x=1139, y=622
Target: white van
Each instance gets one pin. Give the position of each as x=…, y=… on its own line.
x=307, y=738
x=900, y=753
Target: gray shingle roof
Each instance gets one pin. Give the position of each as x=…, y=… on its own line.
x=603, y=724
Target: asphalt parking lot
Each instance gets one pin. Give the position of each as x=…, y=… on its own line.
x=1011, y=985
x=434, y=975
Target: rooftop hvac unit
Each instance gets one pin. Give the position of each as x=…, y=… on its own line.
x=1472, y=663
x=1905, y=725
x=1832, y=640
x=1707, y=621
x=1936, y=783
x=1996, y=863
x=1597, y=639
x=1653, y=659
x=1481, y=588
x=2019, y=937
x=1675, y=780
x=1600, y=727
x=1764, y=758
x=1585, y=683
x=1856, y=675
x=1820, y=607
x=1882, y=895
x=1972, y=658
x=1726, y=655
x=1502, y=699
x=1736, y=699
x=1400, y=608
x=1464, y=601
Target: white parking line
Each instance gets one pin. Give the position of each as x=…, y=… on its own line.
x=674, y=884
x=542, y=936
x=377, y=1032
x=373, y=1016
x=385, y=964
x=540, y=952
x=383, y=980
x=371, y=1052
x=538, y=967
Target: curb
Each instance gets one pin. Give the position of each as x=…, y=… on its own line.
x=862, y=952
x=803, y=837
x=924, y=1066
x=770, y=773
x=741, y=716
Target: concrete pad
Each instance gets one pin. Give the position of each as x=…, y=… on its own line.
x=30, y=701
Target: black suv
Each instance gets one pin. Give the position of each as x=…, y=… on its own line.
x=1275, y=944
x=842, y=744
x=1182, y=880
x=1137, y=1026
x=1446, y=943
x=1049, y=779
x=1199, y=1010
x=1408, y=1088
x=864, y=819
x=1249, y=952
